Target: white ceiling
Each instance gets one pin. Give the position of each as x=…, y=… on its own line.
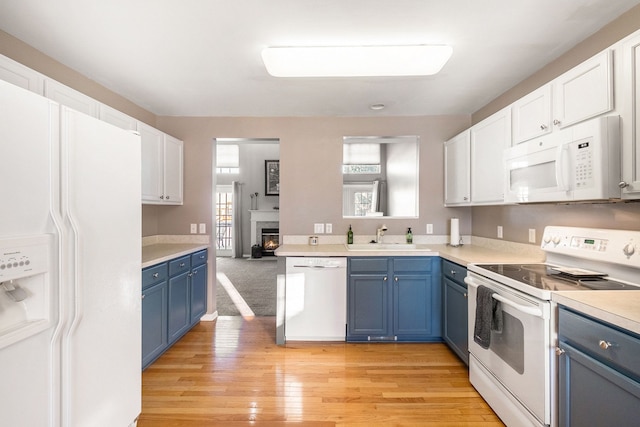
x=202, y=57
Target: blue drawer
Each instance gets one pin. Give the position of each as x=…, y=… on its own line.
x=454, y=271
x=412, y=265
x=601, y=341
x=368, y=265
x=154, y=274
x=179, y=265
x=199, y=258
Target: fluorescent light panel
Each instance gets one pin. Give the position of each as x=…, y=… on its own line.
x=356, y=61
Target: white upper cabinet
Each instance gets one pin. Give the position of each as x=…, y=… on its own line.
x=489, y=138
x=457, y=173
x=630, y=182
x=173, y=170
x=19, y=75
x=531, y=115
x=584, y=92
x=162, y=167
x=70, y=98
x=116, y=118
x=581, y=93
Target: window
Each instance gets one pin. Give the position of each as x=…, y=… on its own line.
x=358, y=199
x=227, y=158
x=224, y=223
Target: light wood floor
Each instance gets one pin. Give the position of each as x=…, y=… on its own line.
x=231, y=373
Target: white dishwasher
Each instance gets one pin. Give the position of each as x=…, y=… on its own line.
x=316, y=299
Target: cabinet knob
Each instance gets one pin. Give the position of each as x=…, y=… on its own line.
x=465, y=295
x=168, y=197
x=142, y=296
x=559, y=351
x=556, y=122
x=543, y=127
x=453, y=272
x=395, y=278
x=465, y=198
x=604, y=344
x=190, y=274
x=161, y=197
x=385, y=278
x=623, y=184
x=195, y=272
x=182, y=264
x=156, y=275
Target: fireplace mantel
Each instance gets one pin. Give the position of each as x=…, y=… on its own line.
x=257, y=216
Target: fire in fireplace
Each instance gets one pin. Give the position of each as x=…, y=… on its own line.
x=270, y=241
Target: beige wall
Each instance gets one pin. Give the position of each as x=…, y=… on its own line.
x=310, y=170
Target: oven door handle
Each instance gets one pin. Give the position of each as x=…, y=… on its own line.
x=533, y=311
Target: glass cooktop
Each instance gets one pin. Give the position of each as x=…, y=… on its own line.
x=549, y=277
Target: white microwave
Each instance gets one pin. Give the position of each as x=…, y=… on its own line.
x=581, y=162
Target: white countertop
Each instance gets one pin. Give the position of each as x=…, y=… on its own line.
x=161, y=252
x=462, y=255
x=620, y=308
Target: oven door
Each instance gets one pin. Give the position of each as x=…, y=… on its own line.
x=517, y=357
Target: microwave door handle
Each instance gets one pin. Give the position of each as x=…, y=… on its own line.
x=561, y=167
x=533, y=311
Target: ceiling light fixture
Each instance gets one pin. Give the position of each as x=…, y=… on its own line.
x=376, y=106
x=356, y=61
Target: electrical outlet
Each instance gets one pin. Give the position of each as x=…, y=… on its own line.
x=202, y=228
x=194, y=228
x=318, y=228
x=429, y=228
x=499, y=232
x=328, y=228
x=532, y=235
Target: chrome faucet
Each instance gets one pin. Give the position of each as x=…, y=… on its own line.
x=380, y=232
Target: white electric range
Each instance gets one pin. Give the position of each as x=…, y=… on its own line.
x=514, y=368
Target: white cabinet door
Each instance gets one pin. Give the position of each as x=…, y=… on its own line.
x=531, y=115
x=585, y=91
x=70, y=98
x=116, y=118
x=456, y=170
x=19, y=75
x=173, y=170
x=152, y=163
x=489, y=138
x=631, y=119
x=162, y=167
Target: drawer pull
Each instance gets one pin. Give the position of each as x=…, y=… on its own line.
x=156, y=275
x=182, y=264
x=201, y=256
x=604, y=344
x=453, y=272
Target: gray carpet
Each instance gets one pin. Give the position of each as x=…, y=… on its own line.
x=255, y=281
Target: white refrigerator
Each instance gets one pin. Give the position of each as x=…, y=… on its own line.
x=70, y=259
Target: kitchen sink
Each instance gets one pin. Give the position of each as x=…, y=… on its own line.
x=386, y=247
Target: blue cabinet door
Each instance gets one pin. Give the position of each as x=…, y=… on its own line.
x=179, y=302
x=593, y=394
x=368, y=307
x=198, y=293
x=154, y=322
x=455, y=315
x=412, y=311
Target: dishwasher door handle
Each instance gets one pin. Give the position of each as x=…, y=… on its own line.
x=317, y=266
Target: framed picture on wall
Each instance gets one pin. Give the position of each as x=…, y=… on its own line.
x=272, y=177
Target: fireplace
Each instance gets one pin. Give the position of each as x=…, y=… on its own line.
x=270, y=241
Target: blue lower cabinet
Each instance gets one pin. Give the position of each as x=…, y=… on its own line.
x=394, y=299
x=174, y=298
x=154, y=322
x=598, y=372
x=179, y=301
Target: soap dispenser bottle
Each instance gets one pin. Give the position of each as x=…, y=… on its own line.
x=409, y=235
x=350, y=236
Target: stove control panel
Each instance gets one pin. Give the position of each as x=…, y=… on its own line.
x=604, y=245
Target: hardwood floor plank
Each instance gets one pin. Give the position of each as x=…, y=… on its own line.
x=230, y=373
